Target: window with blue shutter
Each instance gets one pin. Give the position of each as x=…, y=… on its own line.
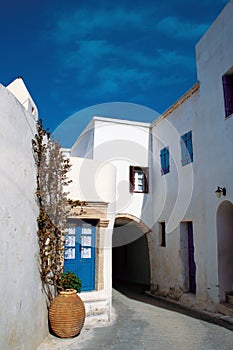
x=227, y=81
x=164, y=159
x=186, y=148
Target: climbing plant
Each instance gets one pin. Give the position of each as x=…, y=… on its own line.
x=54, y=206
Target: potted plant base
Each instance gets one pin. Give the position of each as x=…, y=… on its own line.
x=67, y=314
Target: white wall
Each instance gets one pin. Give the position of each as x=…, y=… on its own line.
x=120, y=143
x=83, y=147
x=18, y=89
x=174, y=198
x=23, y=315
x=123, y=143
x=187, y=193
x=91, y=180
x=214, y=58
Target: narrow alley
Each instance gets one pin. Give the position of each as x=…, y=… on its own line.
x=138, y=325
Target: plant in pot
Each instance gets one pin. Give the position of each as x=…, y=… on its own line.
x=54, y=206
x=67, y=311
x=70, y=280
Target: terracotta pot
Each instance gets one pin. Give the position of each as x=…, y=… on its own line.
x=67, y=314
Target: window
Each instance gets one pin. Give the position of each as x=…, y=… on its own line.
x=186, y=148
x=227, y=81
x=164, y=159
x=162, y=234
x=138, y=179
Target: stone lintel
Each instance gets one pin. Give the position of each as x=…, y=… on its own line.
x=103, y=223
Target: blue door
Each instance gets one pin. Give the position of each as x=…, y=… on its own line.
x=80, y=252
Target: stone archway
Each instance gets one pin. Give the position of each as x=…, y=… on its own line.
x=130, y=253
x=225, y=247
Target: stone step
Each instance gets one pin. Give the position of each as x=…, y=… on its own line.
x=98, y=307
x=97, y=311
x=225, y=309
x=229, y=298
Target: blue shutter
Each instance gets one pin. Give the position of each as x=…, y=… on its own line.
x=186, y=148
x=227, y=81
x=190, y=147
x=164, y=159
x=183, y=150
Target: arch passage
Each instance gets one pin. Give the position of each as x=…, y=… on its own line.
x=130, y=252
x=225, y=247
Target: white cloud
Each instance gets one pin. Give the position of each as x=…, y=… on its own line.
x=173, y=57
x=86, y=51
x=82, y=23
x=163, y=58
x=181, y=29
x=105, y=52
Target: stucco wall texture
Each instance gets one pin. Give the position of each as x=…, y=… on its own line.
x=23, y=311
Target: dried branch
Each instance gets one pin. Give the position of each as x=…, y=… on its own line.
x=51, y=178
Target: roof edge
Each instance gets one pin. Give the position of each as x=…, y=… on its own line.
x=175, y=105
x=121, y=121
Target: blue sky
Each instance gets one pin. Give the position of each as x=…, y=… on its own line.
x=75, y=54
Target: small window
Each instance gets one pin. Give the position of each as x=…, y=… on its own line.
x=186, y=148
x=227, y=81
x=138, y=179
x=164, y=159
x=162, y=234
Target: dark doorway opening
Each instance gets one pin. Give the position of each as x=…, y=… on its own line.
x=130, y=255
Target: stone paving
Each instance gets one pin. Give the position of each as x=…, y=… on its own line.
x=139, y=326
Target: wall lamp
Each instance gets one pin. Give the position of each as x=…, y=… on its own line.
x=220, y=191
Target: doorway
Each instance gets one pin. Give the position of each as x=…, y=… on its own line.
x=225, y=248
x=188, y=265
x=130, y=255
x=79, y=256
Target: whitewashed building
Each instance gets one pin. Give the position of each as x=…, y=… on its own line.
x=198, y=224
x=22, y=302
x=164, y=226
x=100, y=177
